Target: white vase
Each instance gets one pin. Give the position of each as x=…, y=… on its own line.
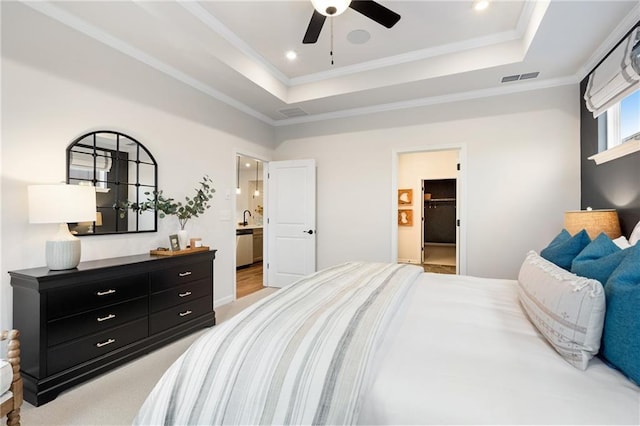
x=183, y=239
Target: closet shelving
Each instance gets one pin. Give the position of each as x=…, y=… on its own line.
x=439, y=225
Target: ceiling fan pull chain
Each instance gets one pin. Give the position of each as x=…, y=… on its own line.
x=331, y=51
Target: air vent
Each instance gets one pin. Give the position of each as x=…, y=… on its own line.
x=529, y=75
x=517, y=77
x=292, y=112
x=510, y=78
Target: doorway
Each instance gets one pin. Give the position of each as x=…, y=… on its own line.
x=249, y=223
x=439, y=230
x=432, y=180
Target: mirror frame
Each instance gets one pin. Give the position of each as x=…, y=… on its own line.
x=116, y=155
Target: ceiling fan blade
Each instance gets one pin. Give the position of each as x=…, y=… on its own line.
x=375, y=11
x=313, y=30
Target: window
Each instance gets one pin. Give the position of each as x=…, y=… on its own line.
x=619, y=132
x=612, y=95
x=630, y=117
x=623, y=121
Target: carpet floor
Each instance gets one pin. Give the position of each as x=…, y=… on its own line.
x=115, y=397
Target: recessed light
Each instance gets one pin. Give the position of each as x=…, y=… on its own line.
x=480, y=4
x=291, y=55
x=247, y=165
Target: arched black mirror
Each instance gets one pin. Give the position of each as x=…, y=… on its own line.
x=124, y=173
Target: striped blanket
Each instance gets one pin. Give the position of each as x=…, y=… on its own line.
x=298, y=356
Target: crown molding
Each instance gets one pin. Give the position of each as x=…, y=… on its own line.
x=54, y=12
x=82, y=26
x=522, y=26
x=414, y=56
x=215, y=25
x=614, y=37
x=429, y=101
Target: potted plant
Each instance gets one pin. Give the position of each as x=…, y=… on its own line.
x=192, y=206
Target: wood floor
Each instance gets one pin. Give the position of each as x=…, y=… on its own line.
x=440, y=269
x=248, y=280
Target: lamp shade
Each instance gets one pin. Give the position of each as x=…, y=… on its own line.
x=593, y=221
x=61, y=203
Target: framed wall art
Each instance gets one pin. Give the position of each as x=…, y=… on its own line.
x=405, y=217
x=405, y=197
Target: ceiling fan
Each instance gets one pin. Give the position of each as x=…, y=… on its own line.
x=324, y=8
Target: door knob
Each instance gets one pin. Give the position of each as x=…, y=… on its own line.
x=310, y=231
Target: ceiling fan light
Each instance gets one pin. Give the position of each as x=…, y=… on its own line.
x=480, y=4
x=331, y=7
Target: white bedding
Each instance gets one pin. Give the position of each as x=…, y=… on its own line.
x=6, y=376
x=462, y=351
x=298, y=357
x=459, y=350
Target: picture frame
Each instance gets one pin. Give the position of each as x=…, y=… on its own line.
x=174, y=243
x=405, y=197
x=405, y=217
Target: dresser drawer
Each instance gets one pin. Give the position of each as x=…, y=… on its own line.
x=76, y=326
x=80, y=298
x=182, y=294
x=184, y=312
x=167, y=278
x=77, y=351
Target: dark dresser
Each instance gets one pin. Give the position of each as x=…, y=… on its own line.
x=79, y=323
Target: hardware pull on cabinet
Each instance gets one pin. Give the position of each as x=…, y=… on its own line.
x=79, y=323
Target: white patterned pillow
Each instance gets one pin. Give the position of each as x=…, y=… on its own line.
x=567, y=309
x=6, y=376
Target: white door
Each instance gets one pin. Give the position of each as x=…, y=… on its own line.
x=291, y=221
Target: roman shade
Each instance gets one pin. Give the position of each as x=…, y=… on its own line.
x=83, y=159
x=616, y=77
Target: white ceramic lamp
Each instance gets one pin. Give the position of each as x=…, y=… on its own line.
x=62, y=204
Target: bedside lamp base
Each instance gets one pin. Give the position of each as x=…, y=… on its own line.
x=63, y=250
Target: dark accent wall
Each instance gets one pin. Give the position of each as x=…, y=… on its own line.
x=615, y=184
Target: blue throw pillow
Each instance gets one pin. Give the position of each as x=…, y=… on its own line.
x=598, y=259
x=563, y=236
x=562, y=251
x=621, y=335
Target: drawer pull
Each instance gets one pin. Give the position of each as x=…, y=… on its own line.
x=108, y=342
x=184, y=274
x=185, y=313
x=108, y=317
x=104, y=293
x=185, y=294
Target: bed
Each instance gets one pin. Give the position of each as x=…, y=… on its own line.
x=372, y=343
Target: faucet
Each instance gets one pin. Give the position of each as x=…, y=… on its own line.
x=244, y=218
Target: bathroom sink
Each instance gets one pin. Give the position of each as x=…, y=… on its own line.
x=250, y=226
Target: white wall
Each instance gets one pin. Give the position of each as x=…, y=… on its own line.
x=42, y=114
x=522, y=156
x=412, y=169
x=522, y=173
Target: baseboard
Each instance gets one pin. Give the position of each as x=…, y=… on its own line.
x=223, y=301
